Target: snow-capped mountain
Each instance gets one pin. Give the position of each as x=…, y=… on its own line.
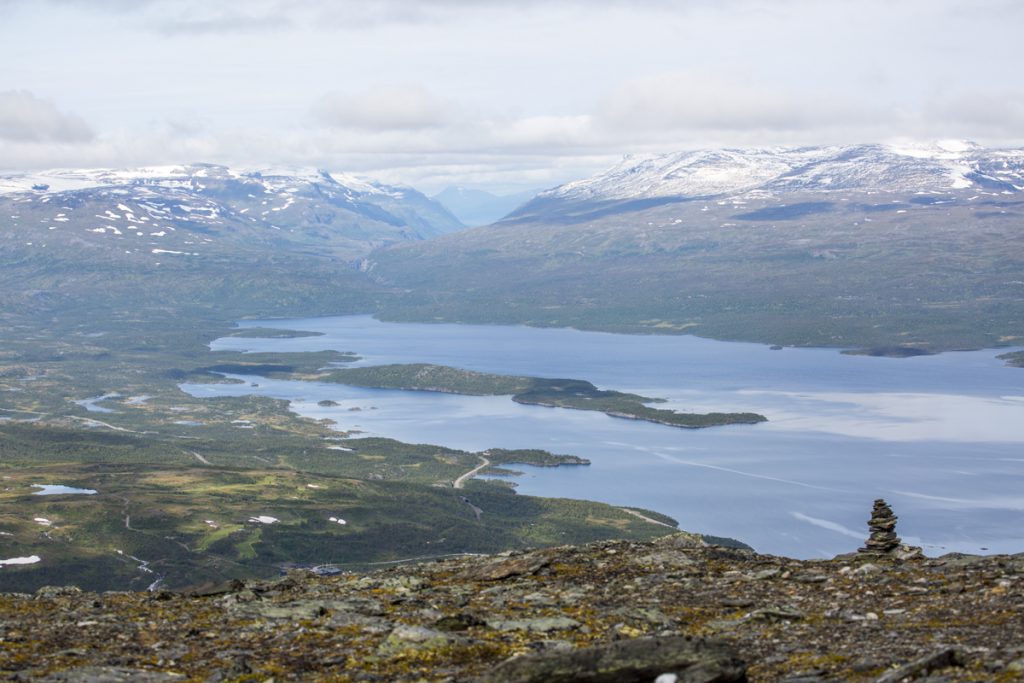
x=194, y=209
x=947, y=166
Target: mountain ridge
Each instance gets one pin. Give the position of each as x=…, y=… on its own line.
x=773, y=172
x=303, y=209
x=886, y=249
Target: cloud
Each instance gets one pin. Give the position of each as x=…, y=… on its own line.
x=201, y=17
x=693, y=101
x=344, y=5
x=993, y=113
x=545, y=132
x=173, y=18
x=27, y=118
x=218, y=82
x=222, y=22
x=406, y=107
x=118, y=5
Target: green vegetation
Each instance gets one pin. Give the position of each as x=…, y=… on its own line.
x=531, y=456
x=425, y=377
x=164, y=461
x=664, y=519
x=889, y=351
x=188, y=523
x=287, y=365
x=272, y=333
x=554, y=393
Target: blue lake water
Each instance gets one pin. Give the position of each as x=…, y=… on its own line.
x=940, y=437
x=60, y=490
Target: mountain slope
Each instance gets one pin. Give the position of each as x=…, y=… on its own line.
x=243, y=242
x=187, y=209
x=867, y=246
x=777, y=172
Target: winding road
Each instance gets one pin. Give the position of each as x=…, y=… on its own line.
x=648, y=519
x=461, y=481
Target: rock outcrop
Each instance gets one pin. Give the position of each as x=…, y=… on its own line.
x=638, y=660
x=671, y=610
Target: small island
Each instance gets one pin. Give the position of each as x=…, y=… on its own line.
x=554, y=393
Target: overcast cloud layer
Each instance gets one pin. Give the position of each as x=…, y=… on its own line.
x=486, y=94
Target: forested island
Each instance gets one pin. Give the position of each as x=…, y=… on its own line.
x=554, y=393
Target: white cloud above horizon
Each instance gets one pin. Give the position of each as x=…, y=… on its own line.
x=27, y=118
x=381, y=108
x=496, y=96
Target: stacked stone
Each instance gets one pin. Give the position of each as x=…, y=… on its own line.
x=883, y=539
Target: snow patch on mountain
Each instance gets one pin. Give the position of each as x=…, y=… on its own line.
x=273, y=179
x=308, y=210
x=700, y=173
x=899, y=167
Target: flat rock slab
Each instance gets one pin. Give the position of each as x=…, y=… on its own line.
x=538, y=625
x=412, y=638
x=110, y=674
x=503, y=569
x=922, y=666
x=629, y=661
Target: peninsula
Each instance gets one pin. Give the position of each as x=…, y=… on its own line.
x=554, y=393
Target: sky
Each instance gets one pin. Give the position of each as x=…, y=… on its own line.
x=503, y=96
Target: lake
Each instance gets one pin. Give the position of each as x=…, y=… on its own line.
x=940, y=437
x=60, y=490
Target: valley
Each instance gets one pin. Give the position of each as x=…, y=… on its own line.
x=539, y=342
x=165, y=465
x=841, y=428
x=115, y=284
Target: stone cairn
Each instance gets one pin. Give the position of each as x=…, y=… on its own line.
x=883, y=539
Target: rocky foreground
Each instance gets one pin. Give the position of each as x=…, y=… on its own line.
x=670, y=610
